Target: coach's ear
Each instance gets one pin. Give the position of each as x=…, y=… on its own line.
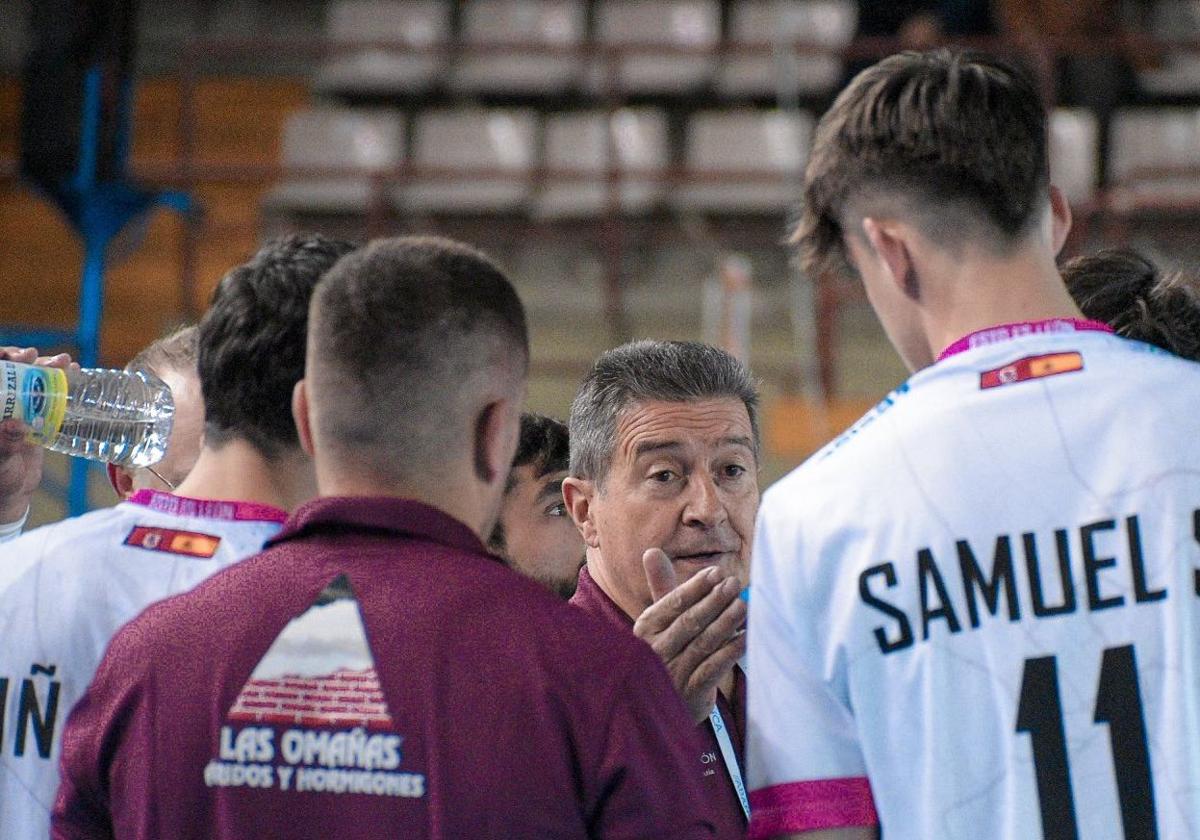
x=300, y=415
x=1060, y=218
x=577, y=495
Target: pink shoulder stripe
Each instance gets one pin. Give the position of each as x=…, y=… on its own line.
x=811, y=806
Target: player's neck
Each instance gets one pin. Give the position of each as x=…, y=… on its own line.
x=238, y=471
x=987, y=293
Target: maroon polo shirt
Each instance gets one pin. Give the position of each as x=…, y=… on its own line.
x=704, y=758
x=375, y=672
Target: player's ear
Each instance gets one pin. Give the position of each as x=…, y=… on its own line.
x=577, y=495
x=121, y=480
x=1060, y=218
x=496, y=428
x=301, y=417
x=886, y=240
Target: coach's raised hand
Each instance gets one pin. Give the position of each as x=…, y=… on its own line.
x=696, y=628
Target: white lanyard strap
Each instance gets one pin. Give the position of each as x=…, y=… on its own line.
x=731, y=762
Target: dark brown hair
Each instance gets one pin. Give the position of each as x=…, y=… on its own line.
x=252, y=341
x=1126, y=291
x=959, y=138
x=405, y=333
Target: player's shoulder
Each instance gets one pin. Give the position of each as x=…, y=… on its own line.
x=75, y=542
x=858, y=450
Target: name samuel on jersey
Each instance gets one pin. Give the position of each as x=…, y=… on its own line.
x=1029, y=574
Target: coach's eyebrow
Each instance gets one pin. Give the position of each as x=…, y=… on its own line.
x=655, y=446
x=739, y=440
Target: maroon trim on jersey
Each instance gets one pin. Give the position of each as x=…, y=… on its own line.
x=1007, y=332
x=227, y=511
x=811, y=806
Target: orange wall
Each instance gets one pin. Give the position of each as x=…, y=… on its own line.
x=238, y=121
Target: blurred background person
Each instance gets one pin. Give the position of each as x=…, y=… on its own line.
x=664, y=489
x=66, y=588
x=495, y=709
x=534, y=534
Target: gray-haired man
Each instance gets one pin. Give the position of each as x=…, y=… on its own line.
x=663, y=487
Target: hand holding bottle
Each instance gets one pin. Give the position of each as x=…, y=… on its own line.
x=21, y=459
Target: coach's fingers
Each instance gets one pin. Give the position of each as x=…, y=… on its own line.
x=715, y=635
x=659, y=616
x=660, y=574
x=670, y=642
x=709, y=674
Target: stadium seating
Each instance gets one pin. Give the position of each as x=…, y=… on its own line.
x=414, y=25
x=1074, y=153
x=471, y=161
x=576, y=142
x=823, y=23
x=679, y=24
x=360, y=141
x=759, y=155
x=504, y=27
x=1156, y=153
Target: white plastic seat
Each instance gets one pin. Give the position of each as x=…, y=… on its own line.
x=359, y=140
x=1074, y=153
x=760, y=156
x=692, y=24
x=1178, y=72
x=1150, y=138
x=576, y=142
x=408, y=24
x=503, y=24
x=781, y=23
x=498, y=144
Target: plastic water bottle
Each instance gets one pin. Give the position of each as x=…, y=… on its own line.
x=106, y=415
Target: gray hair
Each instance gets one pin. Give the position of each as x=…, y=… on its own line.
x=644, y=371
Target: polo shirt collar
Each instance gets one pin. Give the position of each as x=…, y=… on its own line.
x=386, y=515
x=590, y=597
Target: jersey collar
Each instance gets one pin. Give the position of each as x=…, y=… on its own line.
x=388, y=515
x=1007, y=332
x=228, y=511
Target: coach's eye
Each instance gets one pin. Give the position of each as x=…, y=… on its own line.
x=663, y=476
x=734, y=471
x=559, y=509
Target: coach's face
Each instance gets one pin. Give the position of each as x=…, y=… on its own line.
x=683, y=478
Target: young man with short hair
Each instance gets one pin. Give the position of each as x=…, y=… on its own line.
x=65, y=589
x=535, y=534
x=973, y=615
x=389, y=677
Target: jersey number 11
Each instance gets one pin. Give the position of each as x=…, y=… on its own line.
x=1119, y=704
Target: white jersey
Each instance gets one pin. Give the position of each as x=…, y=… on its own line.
x=65, y=589
x=977, y=613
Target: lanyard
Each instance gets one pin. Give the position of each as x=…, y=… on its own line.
x=1004, y=332
x=731, y=762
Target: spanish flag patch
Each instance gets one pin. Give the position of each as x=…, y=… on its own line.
x=170, y=541
x=1032, y=367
